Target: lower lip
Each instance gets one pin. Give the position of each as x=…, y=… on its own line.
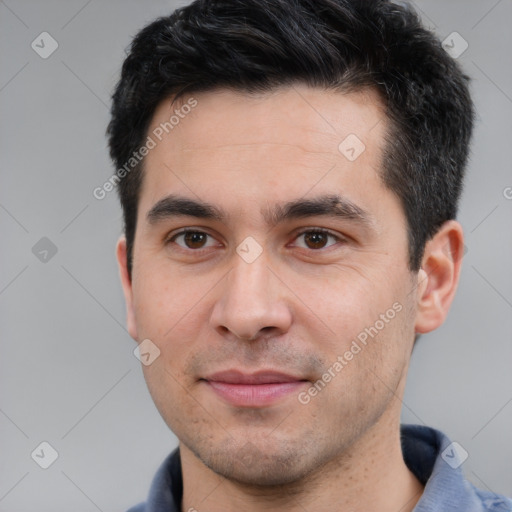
x=254, y=395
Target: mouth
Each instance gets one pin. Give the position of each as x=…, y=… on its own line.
x=258, y=389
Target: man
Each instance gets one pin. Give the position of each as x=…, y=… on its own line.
x=289, y=172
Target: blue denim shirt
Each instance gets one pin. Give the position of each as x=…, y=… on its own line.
x=428, y=453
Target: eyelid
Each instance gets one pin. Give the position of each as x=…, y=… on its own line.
x=170, y=237
x=337, y=236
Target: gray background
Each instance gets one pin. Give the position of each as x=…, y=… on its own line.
x=68, y=375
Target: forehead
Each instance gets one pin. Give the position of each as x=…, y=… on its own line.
x=226, y=117
x=235, y=146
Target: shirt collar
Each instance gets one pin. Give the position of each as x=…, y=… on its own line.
x=428, y=453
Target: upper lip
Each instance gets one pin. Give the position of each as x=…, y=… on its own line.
x=260, y=377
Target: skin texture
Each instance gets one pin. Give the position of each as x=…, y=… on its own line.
x=294, y=309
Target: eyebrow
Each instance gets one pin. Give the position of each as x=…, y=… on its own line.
x=333, y=205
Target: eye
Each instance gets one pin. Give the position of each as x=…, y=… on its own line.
x=192, y=239
x=195, y=240
x=316, y=239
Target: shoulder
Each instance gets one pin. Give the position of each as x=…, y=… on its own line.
x=492, y=502
x=166, y=488
x=436, y=462
x=141, y=507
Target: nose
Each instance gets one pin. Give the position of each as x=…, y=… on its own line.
x=252, y=302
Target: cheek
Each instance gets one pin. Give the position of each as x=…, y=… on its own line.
x=362, y=376
x=172, y=396
x=348, y=304
x=370, y=329
x=172, y=310
x=164, y=301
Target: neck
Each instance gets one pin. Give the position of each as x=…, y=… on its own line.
x=373, y=476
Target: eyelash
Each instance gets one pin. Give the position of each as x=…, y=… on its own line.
x=199, y=251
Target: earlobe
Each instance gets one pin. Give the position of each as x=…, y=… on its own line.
x=439, y=276
x=126, y=283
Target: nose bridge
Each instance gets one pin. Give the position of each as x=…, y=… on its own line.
x=248, y=285
x=251, y=299
x=251, y=278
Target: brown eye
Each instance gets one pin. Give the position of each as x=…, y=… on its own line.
x=317, y=239
x=191, y=239
x=194, y=239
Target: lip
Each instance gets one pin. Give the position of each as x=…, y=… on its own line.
x=258, y=389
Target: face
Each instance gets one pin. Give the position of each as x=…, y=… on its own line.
x=285, y=315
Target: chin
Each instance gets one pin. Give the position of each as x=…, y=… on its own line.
x=259, y=466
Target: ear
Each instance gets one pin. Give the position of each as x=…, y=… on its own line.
x=439, y=276
x=126, y=282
